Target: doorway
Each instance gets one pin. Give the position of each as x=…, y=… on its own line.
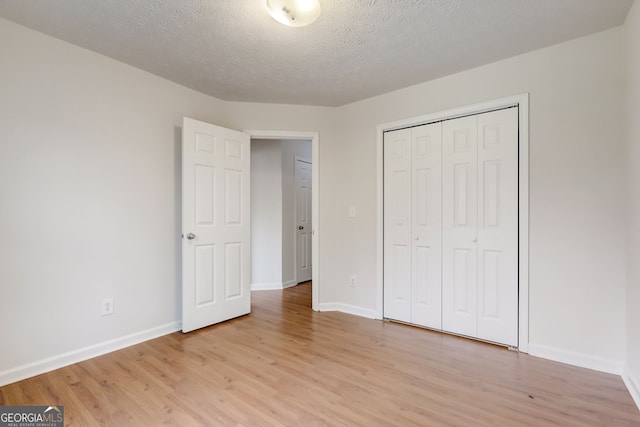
x=263, y=193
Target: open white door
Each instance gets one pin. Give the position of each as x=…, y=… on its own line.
x=216, y=264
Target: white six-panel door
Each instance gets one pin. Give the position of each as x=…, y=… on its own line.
x=216, y=265
x=460, y=225
x=397, y=225
x=412, y=247
x=450, y=226
x=426, y=212
x=498, y=226
x=303, y=173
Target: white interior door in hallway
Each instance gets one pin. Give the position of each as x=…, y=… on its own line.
x=216, y=264
x=451, y=226
x=303, y=173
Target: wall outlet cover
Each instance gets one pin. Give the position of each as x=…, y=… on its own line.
x=107, y=306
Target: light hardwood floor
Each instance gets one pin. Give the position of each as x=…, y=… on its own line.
x=286, y=365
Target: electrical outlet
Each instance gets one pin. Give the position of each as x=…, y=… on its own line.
x=352, y=281
x=107, y=306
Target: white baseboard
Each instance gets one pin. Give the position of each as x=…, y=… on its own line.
x=349, y=309
x=289, y=284
x=266, y=286
x=272, y=286
x=49, y=364
x=633, y=385
x=577, y=359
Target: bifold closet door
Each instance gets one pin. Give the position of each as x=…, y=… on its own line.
x=397, y=225
x=426, y=265
x=460, y=225
x=480, y=214
x=498, y=226
x=412, y=225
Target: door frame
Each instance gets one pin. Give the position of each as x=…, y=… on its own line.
x=295, y=213
x=315, y=200
x=522, y=102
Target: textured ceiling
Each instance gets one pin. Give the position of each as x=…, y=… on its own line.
x=233, y=50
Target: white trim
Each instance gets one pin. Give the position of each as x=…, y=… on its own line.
x=380, y=221
x=315, y=198
x=349, y=309
x=272, y=286
x=523, y=223
x=522, y=101
x=582, y=360
x=75, y=356
x=289, y=284
x=267, y=286
x=633, y=385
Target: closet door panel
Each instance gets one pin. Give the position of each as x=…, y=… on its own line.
x=459, y=226
x=498, y=226
x=427, y=225
x=397, y=225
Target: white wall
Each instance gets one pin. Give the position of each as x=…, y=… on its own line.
x=89, y=178
x=577, y=226
x=632, y=32
x=266, y=214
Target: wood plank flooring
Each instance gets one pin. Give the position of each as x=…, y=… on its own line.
x=285, y=365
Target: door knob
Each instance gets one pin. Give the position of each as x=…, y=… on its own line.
x=475, y=240
x=417, y=238
x=191, y=236
x=300, y=227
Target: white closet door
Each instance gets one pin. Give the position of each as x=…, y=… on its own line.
x=427, y=226
x=397, y=225
x=460, y=224
x=451, y=226
x=498, y=226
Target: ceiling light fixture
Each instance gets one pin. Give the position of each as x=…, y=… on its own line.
x=294, y=13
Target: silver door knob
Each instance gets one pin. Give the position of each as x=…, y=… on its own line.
x=300, y=227
x=475, y=240
x=191, y=236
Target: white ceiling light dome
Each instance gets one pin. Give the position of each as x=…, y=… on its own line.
x=294, y=13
